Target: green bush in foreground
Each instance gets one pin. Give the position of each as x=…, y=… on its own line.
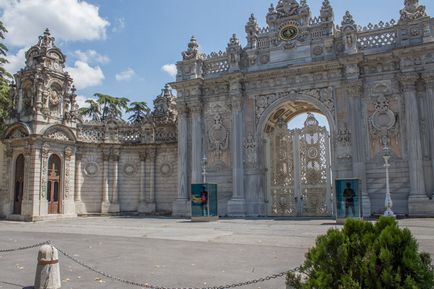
x=364, y=256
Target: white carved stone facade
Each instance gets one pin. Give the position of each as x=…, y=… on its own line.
x=374, y=85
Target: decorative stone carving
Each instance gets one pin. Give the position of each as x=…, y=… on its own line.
x=91, y=169
x=166, y=169
x=129, y=169
x=67, y=182
x=344, y=136
x=58, y=135
x=17, y=133
x=383, y=121
x=250, y=158
x=412, y=11
x=218, y=136
x=324, y=95
x=192, y=51
x=45, y=150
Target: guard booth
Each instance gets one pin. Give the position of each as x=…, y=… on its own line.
x=204, y=202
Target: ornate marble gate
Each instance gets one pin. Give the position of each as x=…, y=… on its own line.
x=300, y=178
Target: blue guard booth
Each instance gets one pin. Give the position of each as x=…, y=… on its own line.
x=348, y=200
x=204, y=203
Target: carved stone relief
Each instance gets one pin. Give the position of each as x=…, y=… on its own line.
x=58, y=135
x=67, y=183
x=90, y=167
x=217, y=123
x=383, y=119
x=44, y=169
x=324, y=95
x=250, y=158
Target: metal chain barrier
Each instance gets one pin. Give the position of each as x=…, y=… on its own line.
x=147, y=285
x=24, y=248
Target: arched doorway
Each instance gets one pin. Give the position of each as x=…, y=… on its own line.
x=19, y=184
x=54, y=195
x=299, y=176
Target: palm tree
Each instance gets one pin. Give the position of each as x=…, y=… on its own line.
x=139, y=110
x=93, y=111
x=110, y=106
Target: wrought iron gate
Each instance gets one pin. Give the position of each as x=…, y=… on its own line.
x=300, y=177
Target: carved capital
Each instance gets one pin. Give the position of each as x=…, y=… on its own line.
x=45, y=150
x=182, y=109
x=151, y=153
x=68, y=153
x=106, y=155
x=78, y=156
x=115, y=155
x=408, y=81
x=143, y=156
x=428, y=77
x=8, y=151
x=354, y=89
x=195, y=107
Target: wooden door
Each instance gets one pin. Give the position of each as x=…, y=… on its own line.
x=18, y=184
x=53, y=186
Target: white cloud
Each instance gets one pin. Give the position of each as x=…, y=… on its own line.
x=81, y=101
x=69, y=20
x=84, y=75
x=91, y=56
x=119, y=25
x=17, y=61
x=170, y=69
x=125, y=75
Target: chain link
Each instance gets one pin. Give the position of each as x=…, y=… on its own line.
x=147, y=285
x=24, y=247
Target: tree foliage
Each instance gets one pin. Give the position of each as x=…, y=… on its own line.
x=5, y=100
x=364, y=255
x=139, y=111
x=105, y=107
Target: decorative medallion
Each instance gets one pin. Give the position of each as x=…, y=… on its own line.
x=166, y=169
x=129, y=169
x=91, y=169
x=288, y=32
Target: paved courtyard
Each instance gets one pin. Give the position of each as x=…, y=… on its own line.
x=170, y=252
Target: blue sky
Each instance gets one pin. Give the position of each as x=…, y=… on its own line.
x=119, y=47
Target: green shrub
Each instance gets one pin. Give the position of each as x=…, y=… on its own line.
x=364, y=256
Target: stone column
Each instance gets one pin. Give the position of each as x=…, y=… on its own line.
x=152, y=153
x=180, y=206
x=358, y=141
x=79, y=206
x=6, y=202
x=196, y=143
x=417, y=183
x=142, y=205
x=237, y=205
x=105, y=205
x=429, y=81
x=114, y=206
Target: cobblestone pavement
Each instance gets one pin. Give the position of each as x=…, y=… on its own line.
x=170, y=252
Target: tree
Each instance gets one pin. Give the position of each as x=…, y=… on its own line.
x=5, y=100
x=139, y=111
x=105, y=107
x=363, y=255
x=92, y=111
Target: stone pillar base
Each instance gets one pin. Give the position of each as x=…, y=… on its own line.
x=366, y=206
x=145, y=207
x=256, y=209
x=181, y=208
x=237, y=208
x=109, y=208
x=420, y=206
x=80, y=208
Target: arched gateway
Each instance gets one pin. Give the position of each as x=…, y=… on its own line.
x=374, y=85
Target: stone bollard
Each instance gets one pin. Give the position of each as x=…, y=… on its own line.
x=48, y=270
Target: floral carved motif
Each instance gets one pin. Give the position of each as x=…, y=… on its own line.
x=324, y=95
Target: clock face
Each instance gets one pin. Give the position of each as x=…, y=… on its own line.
x=288, y=32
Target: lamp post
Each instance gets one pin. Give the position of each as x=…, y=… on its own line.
x=204, y=173
x=388, y=201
